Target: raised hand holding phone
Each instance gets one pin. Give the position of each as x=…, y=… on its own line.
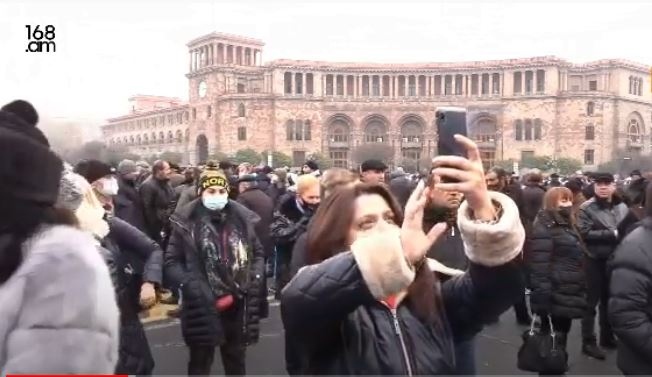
x=466, y=175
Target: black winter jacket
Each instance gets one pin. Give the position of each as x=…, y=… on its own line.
x=630, y=302
x=200, y=320
x=134, y=259
x=597, y=222
x=288, y=224
x=129, y=205
x=555, y=263
x=261, y=204
x=331, y=315
x=157, y=197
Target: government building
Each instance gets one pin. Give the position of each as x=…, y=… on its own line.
x=517, y=108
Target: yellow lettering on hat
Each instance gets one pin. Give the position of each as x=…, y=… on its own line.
x=213, y=181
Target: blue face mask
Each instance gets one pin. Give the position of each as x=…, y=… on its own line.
x=215, y=202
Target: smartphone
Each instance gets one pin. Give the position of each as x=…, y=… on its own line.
x=450, y=121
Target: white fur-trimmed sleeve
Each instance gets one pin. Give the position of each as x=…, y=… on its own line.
x=382, y=264
x=492, y=244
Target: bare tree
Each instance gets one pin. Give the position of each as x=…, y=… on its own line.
x=373, y=151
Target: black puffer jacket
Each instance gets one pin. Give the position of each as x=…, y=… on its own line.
x=134, y=259
x=332, y=316
x=555, y=263
x=597, y=222
x=200, y=320
x=630, y=302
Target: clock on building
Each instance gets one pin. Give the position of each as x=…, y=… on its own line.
x=202, y=89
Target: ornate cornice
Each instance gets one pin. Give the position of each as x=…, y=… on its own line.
x=224, y=37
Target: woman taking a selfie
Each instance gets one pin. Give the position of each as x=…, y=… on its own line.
x=369, y=303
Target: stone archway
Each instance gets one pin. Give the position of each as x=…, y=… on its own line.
x=202, y=148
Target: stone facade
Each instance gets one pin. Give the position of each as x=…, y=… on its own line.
x=516, y=107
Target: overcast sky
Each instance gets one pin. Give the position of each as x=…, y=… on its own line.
x=110, y=50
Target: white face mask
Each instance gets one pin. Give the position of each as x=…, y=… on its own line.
x=109, y=186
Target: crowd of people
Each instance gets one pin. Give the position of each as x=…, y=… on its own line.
x=376, y=272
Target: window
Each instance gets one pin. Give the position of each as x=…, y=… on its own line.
x=527, y=155
x=485, y=84
x=401, y=86
x=593, y=85
x=306, y=131
x=495, y=78
x=529, y=78
x=289, y=130
x=589, y=132
x=518, y=84
x=298, y=79
x=518, y=130
x=186, y=115
x=575, y=88
x=541, y=81
x=412, y=154
x=309, y=84
x=340, y=158
x=528, y=129
x=329, y=85
x=385, y=86
x=350, y=80
x=365, y=86
x=287, y=82
x=375, y=86
x=241, y=110
x=423, y=85
x=474, y=85
x=194, y=114
x=448, y=85
x=412, y=86
x=438, y=85
x=590, y=108
x=589, y=157
x=298, y=130
x=209, y=111
x=459, y=85
x=241, y=88
x=242, y=133
x=538, y=125
x=634, y=131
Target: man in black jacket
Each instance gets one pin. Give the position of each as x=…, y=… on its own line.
x=252, y=197
x=128, y=204
x=598, y=220
x=216, y=258
x=157, y=194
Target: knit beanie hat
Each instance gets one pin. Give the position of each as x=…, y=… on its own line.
x=29, y=170
x=212, y=178
x=70, y=190
x=312, y=165
x=93, y=170
x=127, y=167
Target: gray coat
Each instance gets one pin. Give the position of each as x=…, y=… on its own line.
x=58, y=310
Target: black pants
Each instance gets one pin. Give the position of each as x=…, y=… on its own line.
x=520, y=308
x=283, y=259
x=232, y=351
x=597, y=281
x=560, y=324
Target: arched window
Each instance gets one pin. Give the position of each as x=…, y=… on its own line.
x=538, y=125
x=146, y=139
x=187, y=136
x=306, y=130
x=179, y=136
x=634, y=131
x=139, y=140
x=411, y=132
x=375, y=132
x=528, y=129
x=131, y=139
x=339, y=132
x=241, y=110
x=289, y=130
x=518, y=130
x=170, y=137
x=590, y=107
x=161, y=137
x=153, y=137
x=298, y=130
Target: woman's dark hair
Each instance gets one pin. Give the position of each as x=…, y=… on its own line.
x=329, y=232
x=19, y=221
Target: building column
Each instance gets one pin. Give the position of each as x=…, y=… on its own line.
x=359, y=80
x=225, y=59
x=243, y=56
x=416, y=85
x=303, y=84
x=491, y=84
x=292, y=91
x=190, y=52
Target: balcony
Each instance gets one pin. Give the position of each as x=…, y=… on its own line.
x=332, y=143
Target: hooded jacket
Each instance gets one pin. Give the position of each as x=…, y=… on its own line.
x=332, y=310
